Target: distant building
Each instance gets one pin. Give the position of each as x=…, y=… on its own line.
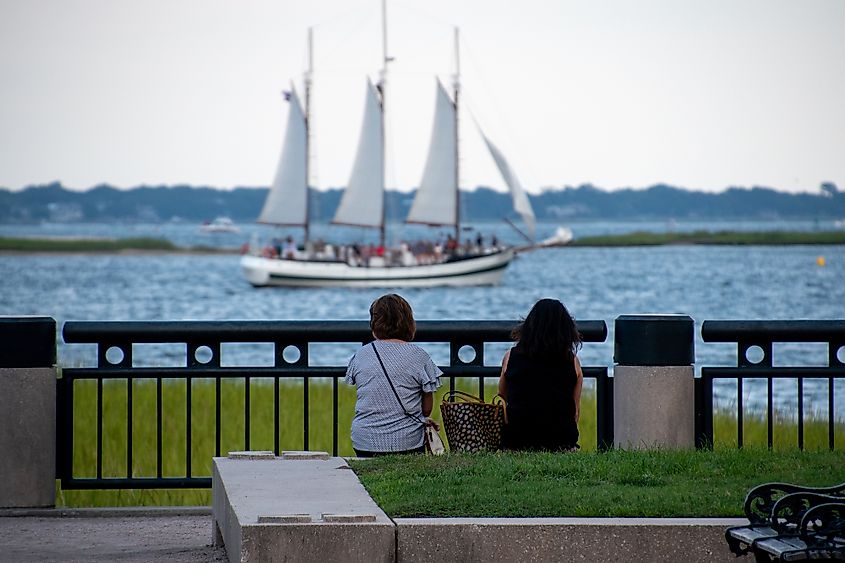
x=147, y=214
x=65, y=212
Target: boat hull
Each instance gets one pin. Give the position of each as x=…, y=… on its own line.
x=478, y=270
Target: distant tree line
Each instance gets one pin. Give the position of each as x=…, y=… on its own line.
x=103, y=203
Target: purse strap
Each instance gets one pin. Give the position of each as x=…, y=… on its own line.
x=392, y=388
x=453, y=397
x=456, y=396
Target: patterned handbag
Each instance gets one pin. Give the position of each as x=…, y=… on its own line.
x=471, y=424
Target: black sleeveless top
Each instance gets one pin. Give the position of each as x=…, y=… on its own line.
x=540, y=405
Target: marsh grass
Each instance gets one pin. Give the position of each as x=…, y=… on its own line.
x=643, y=238
x=291, y=431
x=84, y=245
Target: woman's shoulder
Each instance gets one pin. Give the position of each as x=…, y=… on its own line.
x=406, y=349
x=415, y=350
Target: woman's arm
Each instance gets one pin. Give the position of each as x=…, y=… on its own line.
x=427, y=403
x=503, y=385
x=576, y=394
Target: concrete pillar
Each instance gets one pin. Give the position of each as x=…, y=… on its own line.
x=27, y=412
x=653, y=382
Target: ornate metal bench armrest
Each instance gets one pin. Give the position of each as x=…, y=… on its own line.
x=760, y=501
x=790, y=509
x=823, y=523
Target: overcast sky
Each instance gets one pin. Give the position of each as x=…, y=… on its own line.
x=618, y=93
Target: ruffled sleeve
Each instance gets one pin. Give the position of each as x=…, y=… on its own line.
x=429, y=375
x=351, y=370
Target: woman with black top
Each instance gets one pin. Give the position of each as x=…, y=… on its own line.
x=541, y=381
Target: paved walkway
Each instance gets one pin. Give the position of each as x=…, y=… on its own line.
x=125, y=535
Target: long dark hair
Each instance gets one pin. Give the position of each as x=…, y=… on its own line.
x=548, y=330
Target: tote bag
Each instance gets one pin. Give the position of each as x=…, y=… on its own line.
x=471, y=424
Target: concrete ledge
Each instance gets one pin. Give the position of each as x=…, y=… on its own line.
x=563, y=539
x=317, y=510
x=259, y=507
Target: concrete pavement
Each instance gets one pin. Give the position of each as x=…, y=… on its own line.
x=126, y=535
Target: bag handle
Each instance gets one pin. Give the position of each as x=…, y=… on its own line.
x=456, y=396
x=451, y=396
x=392, y=388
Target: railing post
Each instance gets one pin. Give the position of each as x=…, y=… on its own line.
x=27, y=412
x=653, y=387
x=704, y=411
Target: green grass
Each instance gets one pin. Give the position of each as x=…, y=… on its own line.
x=610, y=484
x=291, y=430
x=84, y=245
x=642, y=238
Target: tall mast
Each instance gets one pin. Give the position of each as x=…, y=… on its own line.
x=457, y=87
x=382, y=87
x=308, y=75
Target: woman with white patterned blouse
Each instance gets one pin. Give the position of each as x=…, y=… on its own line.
x=391, y=421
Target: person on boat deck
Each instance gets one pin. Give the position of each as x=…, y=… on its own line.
x=541, y=381
x=386, y=422
x=451, y=245
x=290, y=249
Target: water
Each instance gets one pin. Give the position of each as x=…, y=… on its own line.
x=705, y=282
x=190, y=235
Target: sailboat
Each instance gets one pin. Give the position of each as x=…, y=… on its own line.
x=437, y=203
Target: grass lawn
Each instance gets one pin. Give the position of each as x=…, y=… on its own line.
x=609, y=484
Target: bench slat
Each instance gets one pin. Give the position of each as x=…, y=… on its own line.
x=751, y=533
x=778, y=546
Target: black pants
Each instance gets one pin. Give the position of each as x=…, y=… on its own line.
x=363, y=453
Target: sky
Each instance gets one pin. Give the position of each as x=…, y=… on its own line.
x=700, y=94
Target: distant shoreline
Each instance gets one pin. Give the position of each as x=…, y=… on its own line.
x=153, y=246
x=79, y=245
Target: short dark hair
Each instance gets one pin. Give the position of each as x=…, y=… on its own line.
x=548, y=330
x=391, y=317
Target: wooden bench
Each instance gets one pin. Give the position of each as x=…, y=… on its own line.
x=775, y=512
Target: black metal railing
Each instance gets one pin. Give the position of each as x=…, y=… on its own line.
x=763, y=334
x=115, y=340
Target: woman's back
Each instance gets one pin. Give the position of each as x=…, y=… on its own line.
x=541, y=406
x=380, y=423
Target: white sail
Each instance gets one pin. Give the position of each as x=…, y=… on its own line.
x=286, y=204
x=363, y=200
x=520, y=200
x=436, y=199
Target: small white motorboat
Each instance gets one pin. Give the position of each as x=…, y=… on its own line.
x=220, y=225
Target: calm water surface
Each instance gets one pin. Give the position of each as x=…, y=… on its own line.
x=705, y=282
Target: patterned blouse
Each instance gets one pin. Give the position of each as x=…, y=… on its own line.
x=380, y=423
